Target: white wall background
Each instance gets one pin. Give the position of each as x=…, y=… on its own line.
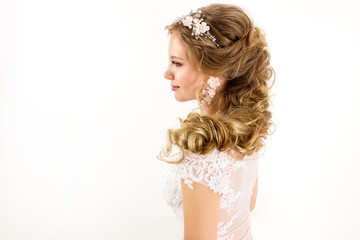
x=84, y=111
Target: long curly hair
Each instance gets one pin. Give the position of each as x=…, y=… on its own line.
x=237, y=117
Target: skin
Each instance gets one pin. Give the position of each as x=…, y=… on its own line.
x=200, y=205
x=180, y=72
x=254, y=195
x=201, y=211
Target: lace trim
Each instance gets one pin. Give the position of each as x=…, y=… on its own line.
x=214, y=171
x=223, y=228
x=171, y=187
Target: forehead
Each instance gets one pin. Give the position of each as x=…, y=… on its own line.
x=176, y=47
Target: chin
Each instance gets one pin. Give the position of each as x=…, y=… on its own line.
x=181, y=98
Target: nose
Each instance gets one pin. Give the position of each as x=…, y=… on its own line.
x=168, y=75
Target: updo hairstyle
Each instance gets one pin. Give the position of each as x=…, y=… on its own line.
x=237, y=117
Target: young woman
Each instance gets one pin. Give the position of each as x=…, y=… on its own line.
x=218, y=57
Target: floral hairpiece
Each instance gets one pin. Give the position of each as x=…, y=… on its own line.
x=199, y=27
x=210, y=90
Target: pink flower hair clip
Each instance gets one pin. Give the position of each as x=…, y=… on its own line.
x=199, y=27
x=210, y=90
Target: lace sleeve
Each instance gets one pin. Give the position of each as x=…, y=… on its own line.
x=212, y=170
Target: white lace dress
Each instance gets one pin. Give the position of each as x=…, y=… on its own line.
x=232, y=179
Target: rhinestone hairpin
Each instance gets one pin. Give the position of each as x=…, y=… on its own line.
x=199, y=27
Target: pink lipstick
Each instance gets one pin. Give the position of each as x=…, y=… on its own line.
x=173, y=88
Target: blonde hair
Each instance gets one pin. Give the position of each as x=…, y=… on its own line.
x=238, y=117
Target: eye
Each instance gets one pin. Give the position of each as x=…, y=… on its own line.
x=176, y=64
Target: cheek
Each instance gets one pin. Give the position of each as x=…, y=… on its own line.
x=189, y=84
x=191, y=87
x=189, y=81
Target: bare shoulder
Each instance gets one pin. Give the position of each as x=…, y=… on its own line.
x=201, y=210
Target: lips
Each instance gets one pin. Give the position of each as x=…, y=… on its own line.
x=173, y=88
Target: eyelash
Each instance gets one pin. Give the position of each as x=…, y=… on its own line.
x=177, y=64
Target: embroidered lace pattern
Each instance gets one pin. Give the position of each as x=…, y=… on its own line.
x=215, y=171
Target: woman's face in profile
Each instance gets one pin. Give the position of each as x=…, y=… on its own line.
x=185, y=79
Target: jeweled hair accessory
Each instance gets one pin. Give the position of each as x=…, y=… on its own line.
x=210, y=90
x=199, y=27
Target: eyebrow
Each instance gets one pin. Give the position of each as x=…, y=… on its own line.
x=176, y=58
